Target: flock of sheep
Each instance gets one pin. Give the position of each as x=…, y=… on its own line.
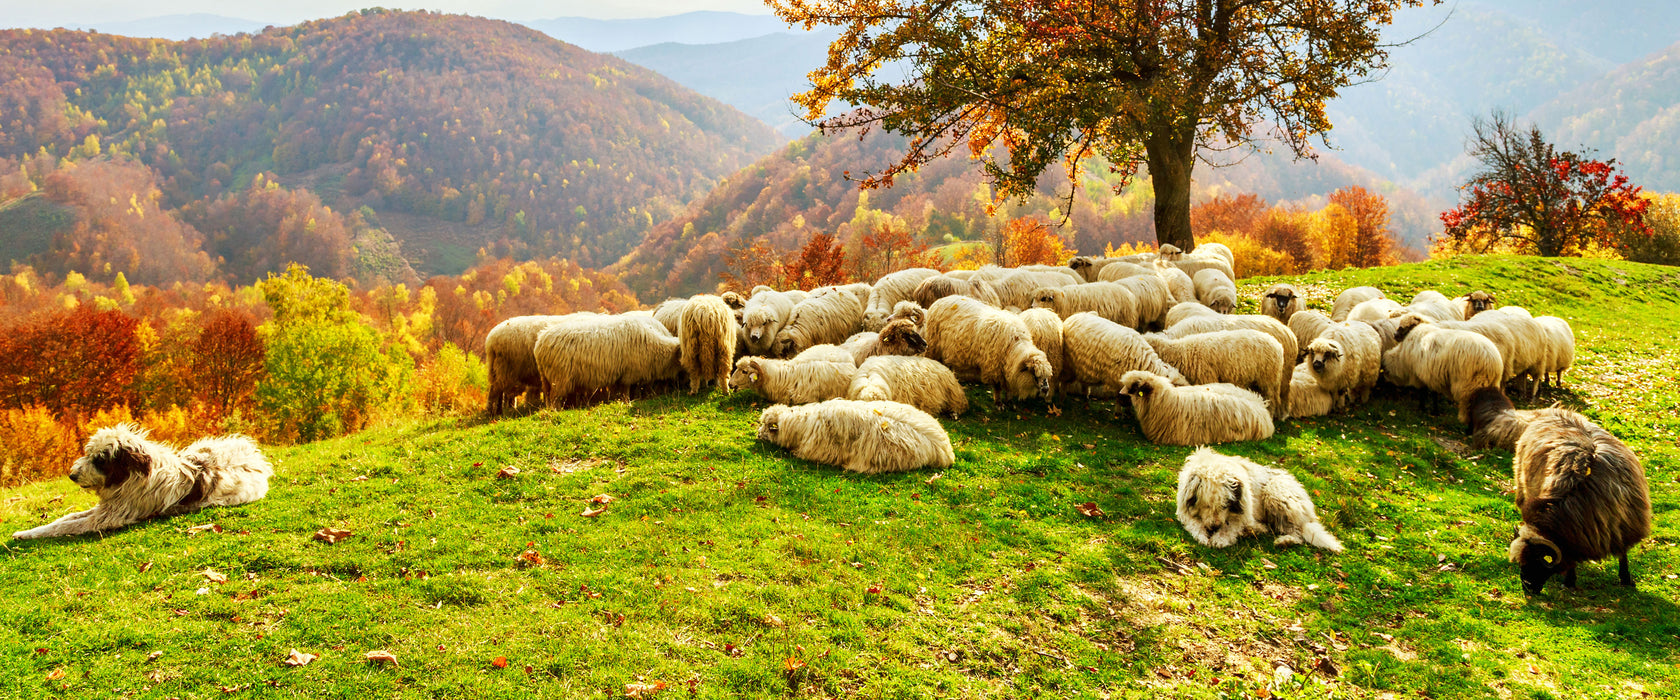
x=857, y=372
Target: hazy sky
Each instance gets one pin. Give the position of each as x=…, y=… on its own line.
x=36, y=13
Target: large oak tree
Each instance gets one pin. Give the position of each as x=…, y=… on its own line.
x=1140, y=82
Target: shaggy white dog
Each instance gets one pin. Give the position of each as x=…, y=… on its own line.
x=1221, y=498
x=138, y=479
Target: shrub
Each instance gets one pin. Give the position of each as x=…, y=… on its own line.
x=454, y=382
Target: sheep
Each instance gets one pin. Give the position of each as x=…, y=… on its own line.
x=1245, y=358
x=1350, y=298
x=1495, y=422
x=1307, y=325
x=1531, y=342
x=858, y=290
x=829, y=317
x=868, y=437
x=1106, y=299
x=898, y=337
x=1306, y=397
x=605, y=352
x=918, y=381
x=1217, y=249
x=1017, y=288
x=1473, y=303
x=963, y=275
x=1204, y=414
x=1373, y=310
x=990, y=344
x=1046, y=329
x=1560, y=348
x=1153, y=296
x=797, y=295
x=763, y=318
x=1090, y=267
x=1434, y=306
x=1447, y=361
x=1192, y=264
x=1253, y=322
x=1583, y=497
x=508, y=350
x=1170, y=252
x=933, y=289
x=1282, y=302
x=707, y=332
x=1215, y=289
x=890, y=290
x=1346, y=361
x=669, y=313
x=1073, y=275
x=1119, y=270
x=825, y=352
x=1501, y=336
x=910, y=311
x=1387, y=329
x=1097, y=352
x=734, y=300
x=1187, y=309
x=1179, y=284
x=793, y=381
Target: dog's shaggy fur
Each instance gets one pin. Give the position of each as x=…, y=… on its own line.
x=138, y=479
x=1222, y=498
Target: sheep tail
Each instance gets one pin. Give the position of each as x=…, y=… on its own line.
x=1315, y=535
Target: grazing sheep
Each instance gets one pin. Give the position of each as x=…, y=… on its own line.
x=1560, y=348
x=763, y=318
x=1188, y=309
x=603, y=353
x=1373, y=310
x=669, y=313
x=1090, y=267
x=1215, y=289
x=1097, y=352
x=1583, y=497
x=898, y=337
x=1220, y=250
x=1308, y=325
x=1306, y=397
x=1253, y=322
x=793, y=381
x=707, y=332
x=1249, y=359
x=911, y=311
x=829, y=317
x=1204, y=414
x=1446, y=361
x=1474, y=303
x=1222, y=498
x=918, y=381
x=1154, y=299
x=1120, y=269
x=508, y=350
x=933, y=289
x=1434, y=306
x=1495, y=422
x=990, y=344
x=868, y=437
x=1350, y=298
x=890, y=290
x=1106, y=299
x=1017, y=288
x=1346, y=360
x=1282, y=302
x=1046, y=329
x=1501, y=336
x=1179, y=284
x=1532, y=347
x=1192, y=264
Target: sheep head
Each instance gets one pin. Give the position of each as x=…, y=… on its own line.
x=1480, y=301
x=1538, y=558
x=788, y=343
x=911, y=311
x=762, y=325
x=1140, y=385
x=1046, y=297
x=734, y=301
x=747, y=373
x=1325, y=356
x=900, y=338
x=1169, y=251
x=769, y=423
x=1406, y=324
x=1028, y=371
x=1281, y=301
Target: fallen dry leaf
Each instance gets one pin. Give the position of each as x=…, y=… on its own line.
x=201, y=528
x=872, y=590
x=1090, y=510
x=153, y=656
x=532, y=557
x=330, y=535
x=592, y=512
x=55, y=674
x=601, y=500
x=360, y=478
x=499, y=662
x=214, y=576
x=642, y=690
x=508, y=472
x=145, y=567
x=934, y=478
x=298, y=658
x=380, y=655
x=1054, y=410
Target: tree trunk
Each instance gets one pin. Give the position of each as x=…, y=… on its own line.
x=1170, y=161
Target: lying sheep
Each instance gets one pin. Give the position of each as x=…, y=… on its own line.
x=1451, y=362
x=917, y=381
x=1346, y=360
x=1192, y=264
x=1187, y=309
x=868, y=437
x=605, y=352
x=763, y=318
x=1281, y=302
x=1046, y=329
x=1119, y=270
x=1474, y=303
x=1017, y=288
x=830, y=317
x=1216, y=289
x=1090, y=267
x=1374, y=310
x=889, y=291
x=1434, y=306
x=933, y=289
x=1204, y=414
x=910, y=311
x=1244, y=358
x=859, y=291
x=1178, y=282
x=1306, y=397
x=509, y=353
x=1583, y=497
x=706, y=330
x=1220, y=250
x=1106, y=299
x=1350, y=298
x=898, y=337
x=1170, y=252
x=1097, y=352
x=669, y=313
x=1253, y=322
x=793, y=381
x=989, y=344
x=1308, y=325
x=825, y=353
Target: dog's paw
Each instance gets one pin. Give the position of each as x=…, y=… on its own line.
x=24, y=535
x=1287, y=541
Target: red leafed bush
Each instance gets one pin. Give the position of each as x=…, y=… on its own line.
x=227, y=361
x=72, y=363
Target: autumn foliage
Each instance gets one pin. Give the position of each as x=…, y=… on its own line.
x=1352, y=230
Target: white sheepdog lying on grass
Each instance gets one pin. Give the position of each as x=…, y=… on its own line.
x=1222, y=498
x=137, y=479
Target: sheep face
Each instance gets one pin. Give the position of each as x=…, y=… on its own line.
x=1045, y=299
x=900, y=335
x=1408, y=322
x=747, y=374
x=1538, y=559
x=1282, y=300
x=1326, y=357
x=735, y=301
x=1214, y=506
x=911, y=311
x=1222, y=305
x=769, y=423
x=1029, y=374
x=762, y=325
x=1480, y=301
x=1139, y=385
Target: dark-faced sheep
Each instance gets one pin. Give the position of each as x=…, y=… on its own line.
x=1281, y=302
x=898, y=337
x=1474, y=303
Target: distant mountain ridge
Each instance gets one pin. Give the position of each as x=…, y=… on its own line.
x=704, y=27
x=176, y=27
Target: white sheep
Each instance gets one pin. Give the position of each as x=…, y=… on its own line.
x=1443, y=360
x=669, y=313
x=889, y=291
x=1204, y=414
x=605, y=352
x=1016, y=288
x=707, y=332
x=1245, y=358
x=793, y=381
x=1178, y=282
x=1282, y=302
x=1154, y=299
x=509, y=353
x=1373, y=310
x=1560, y=348
x=1434, y=306
x=1352, y=297
x=1090, y=267
x=988, y=344
x=1106, y=299
x=1217, y=249
x=1187, y=309
x=898, y=337
x=1253, y=322
x=829, y=317
x=918, y=381
x=1192, y=264
x=1046, y=329
x=1308, y=325
x=825, y=352
x=933, y=289
x=1215, y=289
x=1097, y=352
x=1119, y=270
x=1346, y=360
x=868, y=437
x=763, y=318
x=1306, y=397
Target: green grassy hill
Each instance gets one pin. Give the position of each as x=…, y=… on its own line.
x=724, y=568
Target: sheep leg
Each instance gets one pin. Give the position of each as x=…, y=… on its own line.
x=1627, y=576
x=1569, y=577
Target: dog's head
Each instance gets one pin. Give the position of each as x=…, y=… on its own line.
x=1215, y=502
x=112, y=457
